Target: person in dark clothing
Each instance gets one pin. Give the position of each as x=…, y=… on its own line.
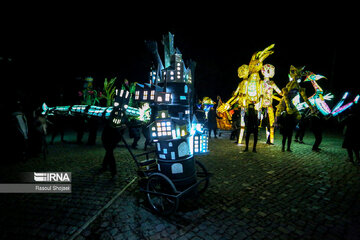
x=235, y=122
x=79, y=124
x=300, y=130
x=212, y=123
x=145, y=131
x=252, y=126
x=93, y=125
x=316, y=127
x=134, y=132
x=20, y=133
x=200, y=115
x=57, y=124
x=110, y=138
x=352, y=131
x=287, y=124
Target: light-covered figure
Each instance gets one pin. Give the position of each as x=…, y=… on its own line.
x=291, y=90
x=249, y=91
x=268, y=71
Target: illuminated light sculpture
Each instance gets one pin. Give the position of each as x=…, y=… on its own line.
x=268, y=71
x=346, y=106
x=250, y=89
x=170, y=92
x=223, y=123
x=200, y=139
x=206, y=104
x=291, y=90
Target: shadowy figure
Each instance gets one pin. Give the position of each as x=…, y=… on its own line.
x=57, y=126
x=235, y=122
x=110, y=138
x=252, y=126
x=300, y=130
x=93, y=125
x=352, y=131
x=39, y=132
x=134, y=132
x=316, y=126
x=212, y=123
x=145, y=131
x=287, y=124
x=20, y=133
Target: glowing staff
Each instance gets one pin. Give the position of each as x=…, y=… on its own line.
x=343, y=108
x=340, y=103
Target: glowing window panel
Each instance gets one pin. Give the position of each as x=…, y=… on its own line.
x=163, y=123
x=171, y=72
x=152, y=95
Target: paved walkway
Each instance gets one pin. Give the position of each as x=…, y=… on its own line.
x=264, y=195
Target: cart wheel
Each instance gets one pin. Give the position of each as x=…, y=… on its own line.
x=159, y=183
x=202, y=173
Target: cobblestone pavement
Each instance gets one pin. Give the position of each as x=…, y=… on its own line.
x=263, y=195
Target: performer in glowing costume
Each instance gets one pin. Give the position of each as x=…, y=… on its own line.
x=250, y=89
x=290, y=91
x=268, y=71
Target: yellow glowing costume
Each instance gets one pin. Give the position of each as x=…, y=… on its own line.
x=290, y=91
x=250, y=89
x=223, y=123
x=268, y=71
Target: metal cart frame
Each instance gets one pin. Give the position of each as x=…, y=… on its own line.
x=161, y=192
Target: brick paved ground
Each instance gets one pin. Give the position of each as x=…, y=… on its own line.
x=264, y=195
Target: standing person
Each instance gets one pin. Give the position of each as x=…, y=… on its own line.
x=287, y=124
x=212, y=124
x=300, y=131
x=39, y=133
x=93, y=125
x=145, y=131
x=20, y=135
x=252, y=126
x=316, y=127
x=57, y=124
x=134, y=132
x=110, y=138
x=352, y=131
x=235, y=122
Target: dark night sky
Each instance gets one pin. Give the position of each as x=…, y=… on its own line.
x=50, y=50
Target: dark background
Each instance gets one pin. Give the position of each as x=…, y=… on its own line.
x=45, y=54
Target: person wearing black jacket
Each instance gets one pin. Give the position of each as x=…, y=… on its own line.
x=352, y=131
x=287, y=124
x=110, y=138
x=316, y=123
x=212, y=123
x=252, y=126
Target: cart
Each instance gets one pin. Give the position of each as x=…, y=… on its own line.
x=161, y=192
